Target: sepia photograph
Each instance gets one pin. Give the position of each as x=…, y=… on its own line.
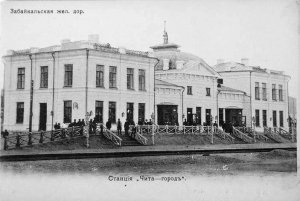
x=149, y=100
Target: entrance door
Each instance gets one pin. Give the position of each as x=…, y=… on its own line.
x=208, y=116
x=198, y=115
x=43, y=116
x=190, y=116
x=167, y=115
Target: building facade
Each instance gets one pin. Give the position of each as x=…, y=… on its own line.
x=74, y=78
x=65, y=82
x=267, y=89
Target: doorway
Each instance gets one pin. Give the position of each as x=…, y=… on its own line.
x=167, y=115
x=43, y=117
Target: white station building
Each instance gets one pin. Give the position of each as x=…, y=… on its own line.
x=74, y=78
x=168, y=85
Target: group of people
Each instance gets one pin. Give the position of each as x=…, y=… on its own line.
x=186, y=123
x=127, y=125
x=227, y=127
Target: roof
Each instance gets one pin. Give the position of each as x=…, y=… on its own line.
x=76, y=45
x=161, y=82
x=228, y=89
x=235, y=66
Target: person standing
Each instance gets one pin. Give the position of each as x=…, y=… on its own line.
x=126, y=127
x=119, y=127
x=108, y=124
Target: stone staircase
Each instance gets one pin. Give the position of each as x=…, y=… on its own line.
x=129, y=141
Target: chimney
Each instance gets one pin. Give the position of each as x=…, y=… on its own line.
x=166, y=64
x=93, y=38
x=179, y=65
x=65, y=41
x=245, y=61
x=220, y=61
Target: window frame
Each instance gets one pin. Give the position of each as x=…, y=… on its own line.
x=68, y=79
x=130, y=78
x=208, y=91
x=112, y=77
x=142, y=80
x=265, y=118
x=99, y=109
x=257, y=118
x=264, y=91
x=280, y=92
x=274, y=98
x=44, y=77
x=189, y=90
x=141, y=111
x=67, y=113
x=256, y=91
x=21, y=78
x=100, y=76
x=110, y=113
x=20, y=113
x=281, y=120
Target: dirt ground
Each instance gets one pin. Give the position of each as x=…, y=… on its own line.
x=217, y=164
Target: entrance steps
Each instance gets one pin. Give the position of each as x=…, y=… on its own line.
x=129, y=141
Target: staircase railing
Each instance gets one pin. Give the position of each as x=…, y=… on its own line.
x=284, y=133
x=110, y=135
x=269, y=132
x=241, y=135
x=251, y=132
x=223, y=134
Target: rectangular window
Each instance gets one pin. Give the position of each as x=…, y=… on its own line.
x=280, y=92
x=99, y=111
x=20, y=112
x=112, y=111
x=274, y=119
x=274, y=92
x=264, y=118
x=142, y=80
x=44, y=76
x=189, y=90
x=281, y=118
x=68, y=75
x=257, y=118
x=264, y=91
x=207, y=91
x=67, y=111
x=99, y=76
x=142, y=112
x=129, y=112
x=112, y=77
x=130, y=83
x=257, y=91
x=21, y=78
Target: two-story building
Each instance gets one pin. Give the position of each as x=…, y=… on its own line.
x=268, y=91
x=64, y=82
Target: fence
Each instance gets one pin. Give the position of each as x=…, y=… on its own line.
x=167, y=129
x=23, y=139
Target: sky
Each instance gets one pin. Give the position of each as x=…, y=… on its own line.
x=265, y=31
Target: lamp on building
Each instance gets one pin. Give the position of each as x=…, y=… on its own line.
x=270, y=118
x=123, y=114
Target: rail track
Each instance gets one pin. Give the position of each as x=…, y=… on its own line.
x=118, y=153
